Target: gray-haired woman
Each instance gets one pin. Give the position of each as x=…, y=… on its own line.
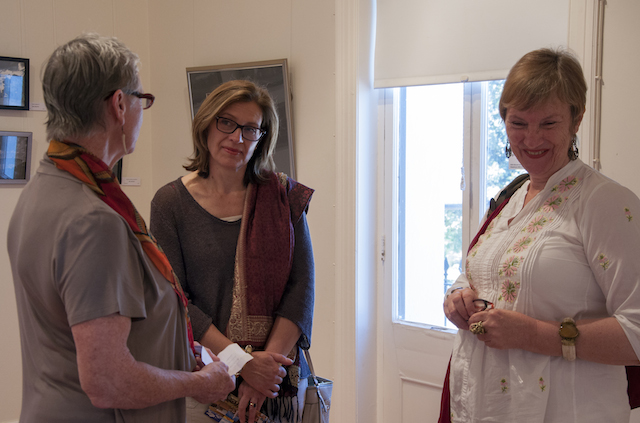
x=103, y=323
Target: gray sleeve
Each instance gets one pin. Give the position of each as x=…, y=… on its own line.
x=163, y=227
x=166, y=213
x=298, y=298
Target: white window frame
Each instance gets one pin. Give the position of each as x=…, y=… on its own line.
x=472, y=197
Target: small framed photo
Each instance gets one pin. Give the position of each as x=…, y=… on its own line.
x=272, y=75
x=14, y=83
x=15, y=157
x=117, y=170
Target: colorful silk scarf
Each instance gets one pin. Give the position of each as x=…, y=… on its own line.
x=94, y=173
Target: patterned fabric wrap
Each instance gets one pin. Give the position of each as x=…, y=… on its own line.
x=94, y=173
x=264, y=256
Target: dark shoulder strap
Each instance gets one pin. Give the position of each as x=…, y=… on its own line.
x=495, y=206
x=507, y=192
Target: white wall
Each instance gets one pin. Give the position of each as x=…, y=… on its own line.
x=318, y=40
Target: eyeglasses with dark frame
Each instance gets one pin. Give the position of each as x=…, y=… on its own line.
x=148, y=98
x=482, y=305
x=250, y=133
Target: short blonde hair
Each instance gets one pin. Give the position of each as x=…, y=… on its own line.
x=539, y=75
x=237, y=91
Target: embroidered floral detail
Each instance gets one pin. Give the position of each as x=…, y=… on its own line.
x=536, y=224
x=542, y=385
x=509, y=290
x=492, y=224
x=627, y=213
x=604, y=261
x=566, y=184
x=504, y=387
x=522, y=244
x=552, y=203
x=510, y=267
x=474, y=249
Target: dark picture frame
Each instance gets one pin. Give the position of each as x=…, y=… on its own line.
x=15, y=157
x=272, y=75
x=14, y=83
x=117, y=170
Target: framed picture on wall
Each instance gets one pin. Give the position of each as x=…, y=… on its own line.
x=14, y=83
x=117, y=170
x=15, y=157
x=272, y=75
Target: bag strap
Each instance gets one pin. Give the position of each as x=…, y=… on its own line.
x=316, y=383
x=507, y=192
x=495, y=206
x=308, y=357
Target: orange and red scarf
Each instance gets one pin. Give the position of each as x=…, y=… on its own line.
x=94, y=173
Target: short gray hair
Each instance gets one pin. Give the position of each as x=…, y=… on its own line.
x=79, y=76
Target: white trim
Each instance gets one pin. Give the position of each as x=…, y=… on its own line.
x=356, y=244
x=597, y=83
x=583, y=41
x=345, y=381
x=421, y=382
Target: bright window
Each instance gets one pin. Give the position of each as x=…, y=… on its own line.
x=448, y=162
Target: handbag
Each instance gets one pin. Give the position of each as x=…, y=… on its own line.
x=317, y=403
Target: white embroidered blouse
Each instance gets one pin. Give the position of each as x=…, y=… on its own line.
x=572, y=251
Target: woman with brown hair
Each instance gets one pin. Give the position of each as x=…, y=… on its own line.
x=236, y=234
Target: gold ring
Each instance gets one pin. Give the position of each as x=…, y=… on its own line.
x=252, y=404
x=477, y=328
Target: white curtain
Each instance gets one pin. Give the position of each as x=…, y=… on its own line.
x=439, y=41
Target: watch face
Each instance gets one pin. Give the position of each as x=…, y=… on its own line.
x=568, y=330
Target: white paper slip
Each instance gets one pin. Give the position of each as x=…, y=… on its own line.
x=234, y=357
x=204, y=355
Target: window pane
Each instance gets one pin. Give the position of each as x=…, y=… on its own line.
x=430, y=205
x=430, y=199
x=497, y=172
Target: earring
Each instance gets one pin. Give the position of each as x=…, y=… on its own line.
x=507, y=149
x=573, y=149
x=124, y=142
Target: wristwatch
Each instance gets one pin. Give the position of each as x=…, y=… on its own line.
x=568, y=332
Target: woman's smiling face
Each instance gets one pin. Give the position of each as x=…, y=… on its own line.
x=540, y=137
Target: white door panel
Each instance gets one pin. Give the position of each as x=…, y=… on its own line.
x=414, y=372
